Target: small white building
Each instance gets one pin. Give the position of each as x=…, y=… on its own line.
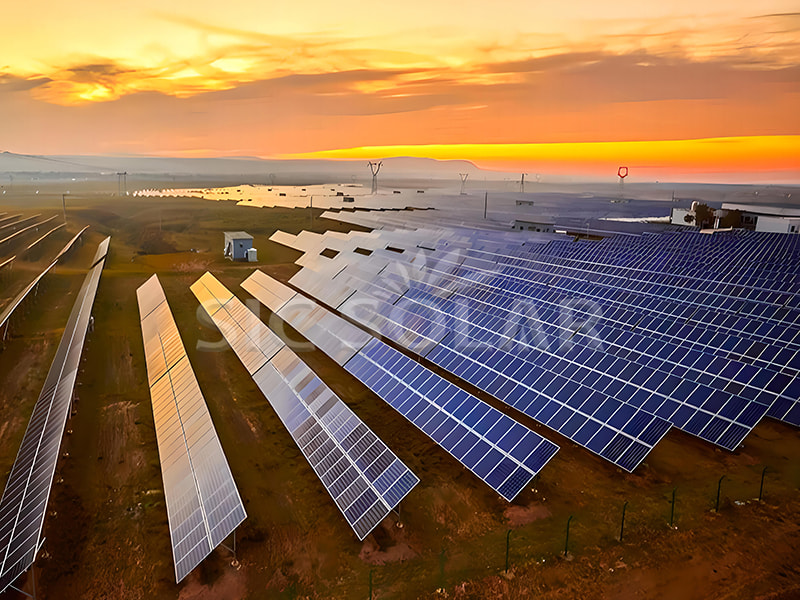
x=777, y=224
x=237, y=243
x=774, y=219
x=678, y=216
x=541, y=225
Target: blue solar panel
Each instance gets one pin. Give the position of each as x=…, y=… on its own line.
x=701, y=330
x=363, y=476
x=467, y=357
x=423, y=299
x=503, y=453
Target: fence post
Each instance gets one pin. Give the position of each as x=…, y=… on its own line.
x=622, y=526
x=508, y=543
x=761, y=488
x=441, y=568
x=719, y=488
x=672, y=509
x=566, y=541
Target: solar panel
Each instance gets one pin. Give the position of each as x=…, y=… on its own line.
x=17, y=221
x=203, y=503
x=12, y=306
x=678, y=341
x=363, y=476
x=703, y=404
x=620, y=435
x=42, y=237
x=24, y=229
x=24, y=500
x=501, y=452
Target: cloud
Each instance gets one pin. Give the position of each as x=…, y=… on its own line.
x=12, y=83
x=574, y=96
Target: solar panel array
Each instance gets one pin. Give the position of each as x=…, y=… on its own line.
x=12, y=306
x=24, y=500
x=501, y=452
x=203, y=503
x=44, y=236
x=363, y=476
x=24, y=229
x=633, y=319
x=599, y=423
x=705, y=343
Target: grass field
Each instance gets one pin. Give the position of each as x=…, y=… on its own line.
x=106, y=529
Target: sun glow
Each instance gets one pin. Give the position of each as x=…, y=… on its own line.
x=714, y=154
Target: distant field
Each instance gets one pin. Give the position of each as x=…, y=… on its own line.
x=106, y=529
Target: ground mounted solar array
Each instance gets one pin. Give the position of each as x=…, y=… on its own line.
x=622, y=436
x=363, y=476
x=203, y=503
x=471, y=304
x=12, y=306
x=24, y=501
x=501, y=452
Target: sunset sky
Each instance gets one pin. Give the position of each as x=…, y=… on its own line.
x=570, y=86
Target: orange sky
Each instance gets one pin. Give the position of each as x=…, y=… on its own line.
x=245, y=77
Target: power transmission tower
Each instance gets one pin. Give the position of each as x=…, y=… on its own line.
x=374, y=168
x=622, y=173
x=463, y=182
x=122, y=183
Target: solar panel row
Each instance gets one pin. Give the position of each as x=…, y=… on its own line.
x=24, y=500
x=365, y=478
x=500, y=451
x=203, y=503
x=621, y=436
x=477, y=295
x=12, y=306
x=699, y=330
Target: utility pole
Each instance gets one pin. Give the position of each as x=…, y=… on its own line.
x=485, y=203
x=64, y=206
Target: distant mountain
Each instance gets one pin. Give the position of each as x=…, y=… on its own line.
x=153, y=165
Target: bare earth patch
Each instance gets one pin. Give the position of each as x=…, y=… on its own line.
x=522, y=515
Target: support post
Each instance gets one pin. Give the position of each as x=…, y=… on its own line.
x=566, y=540
x=64, y=206
x=33, y=584
x=622, y=525
x=485, y=203
x=232, y=548
x=761, y=487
